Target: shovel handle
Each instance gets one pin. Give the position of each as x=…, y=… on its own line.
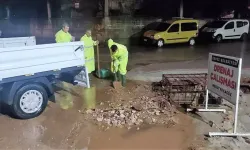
x=98, y=60
x=114, y=68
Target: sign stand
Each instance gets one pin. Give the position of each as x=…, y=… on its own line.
x=225, y=68
x=206, y=107
x=235, y=133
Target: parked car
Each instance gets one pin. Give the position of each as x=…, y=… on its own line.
x=137, y=38
x=219, y=30
x=174, y=31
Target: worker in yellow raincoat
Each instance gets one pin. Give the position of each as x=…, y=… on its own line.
x=63, y=35
x=119, y=56
x=89, y=52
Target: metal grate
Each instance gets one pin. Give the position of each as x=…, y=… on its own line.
x=182, y=88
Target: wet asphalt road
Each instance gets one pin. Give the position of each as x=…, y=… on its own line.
x=144, y=55
x=59, y=128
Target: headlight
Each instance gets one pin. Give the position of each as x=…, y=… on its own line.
x=213, y=30
x=208, y=30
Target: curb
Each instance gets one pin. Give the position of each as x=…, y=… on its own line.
x=154, y=76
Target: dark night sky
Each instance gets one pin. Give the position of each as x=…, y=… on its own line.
x=209, y=8
x=163, y=8
x=31, y=8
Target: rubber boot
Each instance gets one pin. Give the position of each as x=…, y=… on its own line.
x=123, y=78
x=119, y=76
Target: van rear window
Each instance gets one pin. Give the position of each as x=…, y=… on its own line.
x=192, y=26
x=241, y=24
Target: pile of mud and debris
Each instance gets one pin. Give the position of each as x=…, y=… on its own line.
x=133, y=106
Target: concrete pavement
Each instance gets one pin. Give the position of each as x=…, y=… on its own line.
x=149, y=62
x=153, y=72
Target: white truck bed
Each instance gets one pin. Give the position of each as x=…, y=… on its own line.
x=28, y=73
x=32, y=60
x=17, y=41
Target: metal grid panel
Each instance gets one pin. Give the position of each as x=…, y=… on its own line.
x=182, y=88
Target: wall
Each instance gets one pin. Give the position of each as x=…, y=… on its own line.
x=15, y=28
x=116, y=28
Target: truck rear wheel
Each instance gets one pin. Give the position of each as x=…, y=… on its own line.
x=29, y=101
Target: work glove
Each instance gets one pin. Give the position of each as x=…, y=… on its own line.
x=116, y=65
x=120, y=58
x=73, y=39
x=96, y=42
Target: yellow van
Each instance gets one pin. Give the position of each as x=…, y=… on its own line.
x=174, y=31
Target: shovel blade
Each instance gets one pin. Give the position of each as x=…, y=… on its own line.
x=117, y=85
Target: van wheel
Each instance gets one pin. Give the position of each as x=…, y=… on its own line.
x=218, y=38
x=160, y=43
x=192, y=42
x=29, y=101
x=243, y=37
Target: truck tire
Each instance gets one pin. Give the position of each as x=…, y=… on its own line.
x=29, y=101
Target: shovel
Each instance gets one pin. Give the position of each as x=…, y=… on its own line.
x=116, y=84
x=98, y=62
x=101, y=73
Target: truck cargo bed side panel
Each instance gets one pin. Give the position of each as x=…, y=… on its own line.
x=17, y=42
x=29, y=60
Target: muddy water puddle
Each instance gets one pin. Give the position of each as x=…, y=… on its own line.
x=145, y=137
x=63, y=126
x=75, y=133
x=68, y=129
x=78, y=98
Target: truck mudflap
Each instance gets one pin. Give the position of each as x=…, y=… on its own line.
x=82, y=79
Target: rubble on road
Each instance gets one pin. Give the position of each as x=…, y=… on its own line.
x=245, y=85
x=125, y=117
x=134, y=107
